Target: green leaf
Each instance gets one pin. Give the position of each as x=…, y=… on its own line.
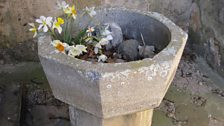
x=79, y=38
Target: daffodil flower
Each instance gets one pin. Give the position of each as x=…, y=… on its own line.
x=90, y=11
x=82, y=48
x=90, y=30
x=99, y=45
x=61, y=47
x=106, y=32
x=62, y=5
x=45, y=23
x=102, y=58
x=77, y=50
x=33, y=29
x=104, y=41
x=57, y=24
x=71, y=11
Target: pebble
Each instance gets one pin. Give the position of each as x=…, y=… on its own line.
x=1, y=62
x=129, y=50
x=119, y=61
x=146, y=51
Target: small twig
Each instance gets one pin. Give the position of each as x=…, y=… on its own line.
x=143, y=41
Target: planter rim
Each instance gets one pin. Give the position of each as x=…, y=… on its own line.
x=178, y=40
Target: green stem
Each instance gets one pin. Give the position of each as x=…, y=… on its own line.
x=52, y=32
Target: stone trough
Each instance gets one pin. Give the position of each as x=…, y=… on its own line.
x=117, y=94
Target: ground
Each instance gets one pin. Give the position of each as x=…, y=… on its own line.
x=195, y=98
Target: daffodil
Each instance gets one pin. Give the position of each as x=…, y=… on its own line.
x=82, y=48
x=106, y=33
x=90, y=11
x=57, y=24
x=77, y=50
x=71, y=11
x=102, y=58
x=33, y=29
x=61, y=47
x=45, y=23
x=62, y=5
x=97, y=47
x=102, y=42
x=90, y=30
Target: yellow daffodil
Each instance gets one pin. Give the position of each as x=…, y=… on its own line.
x=71, y=11
x=57, y=24
x=33, y=29
x=61, y=47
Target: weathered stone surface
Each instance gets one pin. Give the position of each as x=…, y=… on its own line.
x=206, y=32
x=81, y=118
x=10, y=104
x=109, y=90
x=49, y=116
x=202, y=18
x=129, y=49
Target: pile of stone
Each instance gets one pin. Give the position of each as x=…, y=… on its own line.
x=128, y=49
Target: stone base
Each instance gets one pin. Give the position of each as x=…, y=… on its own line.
x=81, y=118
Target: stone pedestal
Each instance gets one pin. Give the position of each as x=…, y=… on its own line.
x=82, y=118
x=117, y=94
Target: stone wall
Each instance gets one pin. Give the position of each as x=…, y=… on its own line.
x=203, y=19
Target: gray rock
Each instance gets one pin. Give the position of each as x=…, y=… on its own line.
x=129, y=49
x=116, y=34
x=119, y=61
x=1, y=62
x=221, y=16
x=146, y=51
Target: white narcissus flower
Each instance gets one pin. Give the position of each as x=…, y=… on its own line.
x=57, y=24
x=61, y=47
x=99, y=45
x=106, y=32
x=90, y=11
x=96, y=50
x=45, y=23
x=102, y=58
x=77, y=50
x=90, y=30
x=104, y=41
x=33, y=29
x=73, y=52
x=82, y=48
x=62, y=5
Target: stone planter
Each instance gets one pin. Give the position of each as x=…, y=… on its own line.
x=119, y=94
